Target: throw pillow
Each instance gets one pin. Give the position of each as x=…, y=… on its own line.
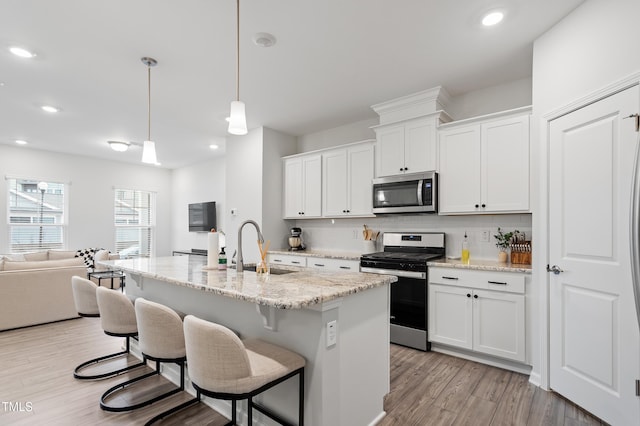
x=87, y=255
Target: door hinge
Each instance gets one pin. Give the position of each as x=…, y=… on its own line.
x=637, y=120
x=637, y=387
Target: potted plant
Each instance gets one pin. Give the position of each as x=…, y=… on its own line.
x=503, y=240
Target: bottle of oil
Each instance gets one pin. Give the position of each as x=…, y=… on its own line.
x=465, y=249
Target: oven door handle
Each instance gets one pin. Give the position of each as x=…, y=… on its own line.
x=397, y=273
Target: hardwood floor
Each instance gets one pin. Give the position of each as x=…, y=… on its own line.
x=427, y=388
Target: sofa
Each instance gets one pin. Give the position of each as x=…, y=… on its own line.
x=35, y=288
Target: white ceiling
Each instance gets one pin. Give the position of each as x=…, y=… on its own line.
x=333, y=59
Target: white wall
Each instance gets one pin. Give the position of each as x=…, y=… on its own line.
x=197, y=183
x=352, y=132
x=592, y=47
x=276, y=146
x=503, y=97
x=90, y=194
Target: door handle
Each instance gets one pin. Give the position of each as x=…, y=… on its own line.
x=555, y=269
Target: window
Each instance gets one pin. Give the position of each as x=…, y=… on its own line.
x=135, y=220
x=36, y=215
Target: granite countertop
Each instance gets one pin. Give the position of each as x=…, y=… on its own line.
x=327, y=254
x=482, y=265
x=295, y=290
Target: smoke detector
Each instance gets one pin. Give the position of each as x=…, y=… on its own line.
x=263, y=39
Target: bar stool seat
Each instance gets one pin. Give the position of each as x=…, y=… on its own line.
x=161, y=339
x=222, y=366
x=86, y=302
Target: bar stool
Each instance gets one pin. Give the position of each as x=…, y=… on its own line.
x=161, y=338
x=86, y=301
x=222, y=366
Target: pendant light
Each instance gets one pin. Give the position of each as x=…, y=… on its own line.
x=237, y=117
x=149, y=147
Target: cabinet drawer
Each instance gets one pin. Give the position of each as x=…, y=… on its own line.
x=487, y=280
x=333, y=264
x=285, y=259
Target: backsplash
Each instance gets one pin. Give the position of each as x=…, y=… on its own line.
x=346, y=234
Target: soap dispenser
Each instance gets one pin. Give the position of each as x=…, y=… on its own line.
x=465, y=249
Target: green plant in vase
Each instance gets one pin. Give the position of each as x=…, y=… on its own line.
x=503, y=241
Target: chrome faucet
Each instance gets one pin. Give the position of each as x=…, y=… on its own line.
x=240, y=264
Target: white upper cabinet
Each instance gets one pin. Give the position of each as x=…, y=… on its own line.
x=484, y=165
x=302, y=186
x=346, y=181
x=407, y=147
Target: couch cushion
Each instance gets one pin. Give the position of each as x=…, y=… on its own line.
x=61, y=254
x=35, y=256
x=18, y=266
x=16, y=257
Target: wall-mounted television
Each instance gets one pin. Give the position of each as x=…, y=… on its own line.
x=202, y=216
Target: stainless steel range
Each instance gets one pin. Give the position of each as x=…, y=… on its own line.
x=406, y=255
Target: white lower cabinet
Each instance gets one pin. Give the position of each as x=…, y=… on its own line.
x=329, y=264
x=286, y=259
x=466, y=311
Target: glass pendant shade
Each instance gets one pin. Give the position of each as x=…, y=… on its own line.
x=149, y=152
x=237, y=119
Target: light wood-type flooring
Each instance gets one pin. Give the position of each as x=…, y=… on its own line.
x=427, y=388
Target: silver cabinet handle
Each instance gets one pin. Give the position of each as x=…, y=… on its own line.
x=450, y=278
x=496, y=282
x=555, y=269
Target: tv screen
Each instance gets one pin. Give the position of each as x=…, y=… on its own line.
x=202, y=216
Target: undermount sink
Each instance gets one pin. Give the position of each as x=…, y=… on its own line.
x=272, y=271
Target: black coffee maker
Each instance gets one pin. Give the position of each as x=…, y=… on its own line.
x=295, y=239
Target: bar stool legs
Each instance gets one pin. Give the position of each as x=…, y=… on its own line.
x=86, y=302
x=105, y=396
x=77, y=373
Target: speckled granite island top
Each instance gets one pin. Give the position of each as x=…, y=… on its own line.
x=294, y=290
x=482, y=265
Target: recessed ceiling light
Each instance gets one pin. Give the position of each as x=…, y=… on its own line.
x=21, y=142
x=214, y=146
x=492, y=18
x=119, y=146
x=19, y=51
x=263, y=39
x=49, y=108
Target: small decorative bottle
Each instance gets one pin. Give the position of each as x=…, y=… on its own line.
x=222, y=260
x=465, y=249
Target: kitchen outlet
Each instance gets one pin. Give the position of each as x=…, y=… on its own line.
x=234, y=211
x=484, y=237
x=332, y=333
x=355, y=234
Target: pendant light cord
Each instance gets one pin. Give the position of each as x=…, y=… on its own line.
x=237, y=50
x=149, y=102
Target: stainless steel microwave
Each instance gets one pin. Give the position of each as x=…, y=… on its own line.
x=410, y=193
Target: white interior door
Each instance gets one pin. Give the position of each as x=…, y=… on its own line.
x=594, y=338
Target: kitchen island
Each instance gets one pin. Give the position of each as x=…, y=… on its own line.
x=346, y=376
